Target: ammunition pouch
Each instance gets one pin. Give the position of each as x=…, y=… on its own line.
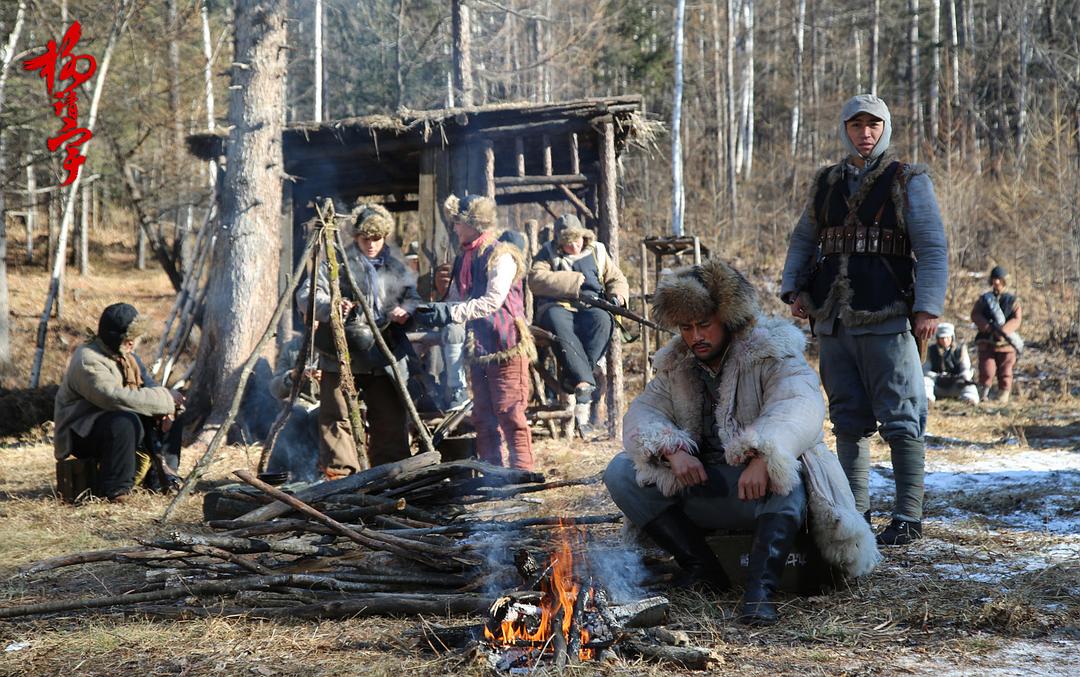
x=864, y=240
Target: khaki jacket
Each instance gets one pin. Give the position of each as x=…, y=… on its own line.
x=93, y=385
x=550, y=276
x=769, y=401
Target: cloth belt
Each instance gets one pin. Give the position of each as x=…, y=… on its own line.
x=863, y=240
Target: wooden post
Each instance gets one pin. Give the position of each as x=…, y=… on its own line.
x=697, y=251
x=546, y=146
x=489, y=168
x=575, y=157
x=609, y=233
x=519, y=151
x=646, y=335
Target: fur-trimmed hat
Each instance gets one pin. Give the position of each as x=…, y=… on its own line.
x=478, y=211
x=693, y=293
x=121, y=322
x=372, y=221
x=568, y=228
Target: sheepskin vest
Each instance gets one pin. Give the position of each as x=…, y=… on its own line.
x=944, y=361
x=502, y=335
x=866, y=273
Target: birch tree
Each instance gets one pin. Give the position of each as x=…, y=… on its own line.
x=118, y=27
x=935, y=71
x=796, y=105
x=676, y=126
x=914, y=99
x=246, y=257
x=7, y=55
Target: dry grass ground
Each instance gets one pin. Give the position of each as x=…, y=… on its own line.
x=982, y=594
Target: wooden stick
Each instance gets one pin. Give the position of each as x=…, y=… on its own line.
x=337, y=328
x=354, y=483
x=84, y=558
x=400, y=381
x=490, y=493
x=242, y=545
x=245, y=372
x=381, y=606
x=365, y=539
x=473, y=527
x=573, y=635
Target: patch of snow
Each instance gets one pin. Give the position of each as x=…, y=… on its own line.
x=16, y=646
x=1020, y=658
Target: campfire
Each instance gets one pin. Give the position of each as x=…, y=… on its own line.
x=554, y=616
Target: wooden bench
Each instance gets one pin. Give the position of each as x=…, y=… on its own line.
x=75, y=478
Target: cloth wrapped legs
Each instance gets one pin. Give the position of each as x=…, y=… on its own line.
x=500, y=396
x=875, y=383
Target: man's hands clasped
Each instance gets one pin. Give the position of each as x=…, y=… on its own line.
x=753, y=482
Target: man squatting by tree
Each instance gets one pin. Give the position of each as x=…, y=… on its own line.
x=728, y=435
x=851, y=268
x=947, y=370
x=575, y=265
x=485, y=290
x=997, y=315
x=109, y=408
x=390, y=289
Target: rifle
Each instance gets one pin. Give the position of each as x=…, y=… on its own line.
x=996, y=319
x=597, y=302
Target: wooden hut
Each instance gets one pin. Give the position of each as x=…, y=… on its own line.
x=515, y=152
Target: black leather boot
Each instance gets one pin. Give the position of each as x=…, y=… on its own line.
x=773, y=540
x=900, y=532
x=674, y=532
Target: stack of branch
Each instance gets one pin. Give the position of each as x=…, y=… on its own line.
x=402, y=538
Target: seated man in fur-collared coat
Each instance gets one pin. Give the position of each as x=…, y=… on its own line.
x=728, y=435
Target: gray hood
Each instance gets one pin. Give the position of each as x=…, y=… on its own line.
x=866, y=103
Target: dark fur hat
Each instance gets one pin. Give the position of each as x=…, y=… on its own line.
x=121, y=322
x=692, y=293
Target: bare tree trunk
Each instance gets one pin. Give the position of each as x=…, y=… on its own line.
x=399, y=75
x=718, y=111
x=935, y=74
x=84, y=232
x=1024, y=40
x=119, y=24
x=676, y=126
x=318, y=117
x=246, y=261
x=954, y=65
x=729, y=85
x=745, y=152
x=7, y=54
x=796, y=106
x=31, y=207
x=875, y=37
x=462, y=29
x=915, y=101
x=208, y=83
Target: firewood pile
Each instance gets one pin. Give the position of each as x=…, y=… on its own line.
x=413, y=537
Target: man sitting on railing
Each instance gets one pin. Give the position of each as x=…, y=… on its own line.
x=575, y=266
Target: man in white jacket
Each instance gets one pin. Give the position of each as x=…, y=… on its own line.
x=728, y=435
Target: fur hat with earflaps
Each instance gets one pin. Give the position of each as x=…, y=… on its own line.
x=693, y=293
x=372, y=221
x=568, y=228
x=478, y=211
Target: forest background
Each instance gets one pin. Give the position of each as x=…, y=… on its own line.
x=987, y=92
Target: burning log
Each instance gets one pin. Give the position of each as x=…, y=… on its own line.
x=526, y=564
x=573, y=635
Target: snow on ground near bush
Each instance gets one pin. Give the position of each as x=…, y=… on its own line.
x=1040, y=491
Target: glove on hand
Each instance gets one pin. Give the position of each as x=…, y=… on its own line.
x=433, y=315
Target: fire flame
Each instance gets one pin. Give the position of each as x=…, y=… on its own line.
x=560, y=592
